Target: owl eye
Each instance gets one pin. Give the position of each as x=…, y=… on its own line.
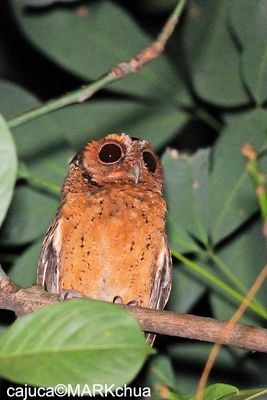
x=110, y=153
x=150, y=161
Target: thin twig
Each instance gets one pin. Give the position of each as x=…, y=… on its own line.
x=221, y=285
x=25, y=300
x=227, y=330
x=121, y=70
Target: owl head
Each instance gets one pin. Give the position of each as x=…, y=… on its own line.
x=119, y=158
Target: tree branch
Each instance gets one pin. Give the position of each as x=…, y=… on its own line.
x=120, y=71
x=200, y=328
x=25, y=300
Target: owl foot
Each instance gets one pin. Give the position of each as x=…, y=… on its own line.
x=132, y=303
x=117, y=300
x=69, y=294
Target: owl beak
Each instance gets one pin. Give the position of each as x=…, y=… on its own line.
x=134, y=172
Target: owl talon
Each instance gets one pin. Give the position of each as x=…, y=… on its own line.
x=132, y=303
x=117, y=300
x=68, y=294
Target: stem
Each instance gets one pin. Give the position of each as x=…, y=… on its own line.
x=232, y=278
x=203, y=115
x=120, y=71
x=76, y=96
x=217, y=282
x=250, y=393
x=37, y=182
x=226, y=271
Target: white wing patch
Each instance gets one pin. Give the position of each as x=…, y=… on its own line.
x=163, y=279
x=48, y=264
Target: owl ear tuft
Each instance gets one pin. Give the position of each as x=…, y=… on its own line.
x=134, y=139
x=77, y=159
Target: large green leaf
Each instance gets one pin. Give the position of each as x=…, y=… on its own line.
x=231, y=196
x=34, y=138
x=80, y=123
x=155, y=122
x=96, y=37
x=244, y=257
x=186, y=291
x=212, y=57
x=14, y=99
x=8, y=168
x=160, y=375
x=219, y=201
x=186, y=180
x=53, y=167
x=28, y=217
x=219, y=391
x=75, y=342
x=23, y=271
x=249, y=20
x=190, y=357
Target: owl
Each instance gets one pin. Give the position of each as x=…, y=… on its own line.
x=108, y=238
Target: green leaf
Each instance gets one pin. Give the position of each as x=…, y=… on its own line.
x=245, y=257
x=23, y=271
x=8, y=168
x=190, y=357
x=53, y=166
x=37, y=182
x=231, y=196
x=216, y=202
x=96, y=38
x=249, y=20
x=14, y=99
x=160, y=375
x=74, y=342
x=35, y=137
x=215, y=282
x=219, y=391
x=28, y=216
x=208, y=47
x=186, y=291
x=155, y=122
x=186, y=180
x=80, y=123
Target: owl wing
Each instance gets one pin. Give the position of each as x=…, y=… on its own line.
x=162, y=283
x=163, y=278
x=48, y=264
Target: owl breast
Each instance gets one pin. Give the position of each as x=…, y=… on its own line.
x=112, y=239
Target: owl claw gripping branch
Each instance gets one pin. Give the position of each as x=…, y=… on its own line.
x=107, y=240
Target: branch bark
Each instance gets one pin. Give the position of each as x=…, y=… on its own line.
x=25, y=300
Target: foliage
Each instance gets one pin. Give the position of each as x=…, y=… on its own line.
x=205, y=97
x=46, y=357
